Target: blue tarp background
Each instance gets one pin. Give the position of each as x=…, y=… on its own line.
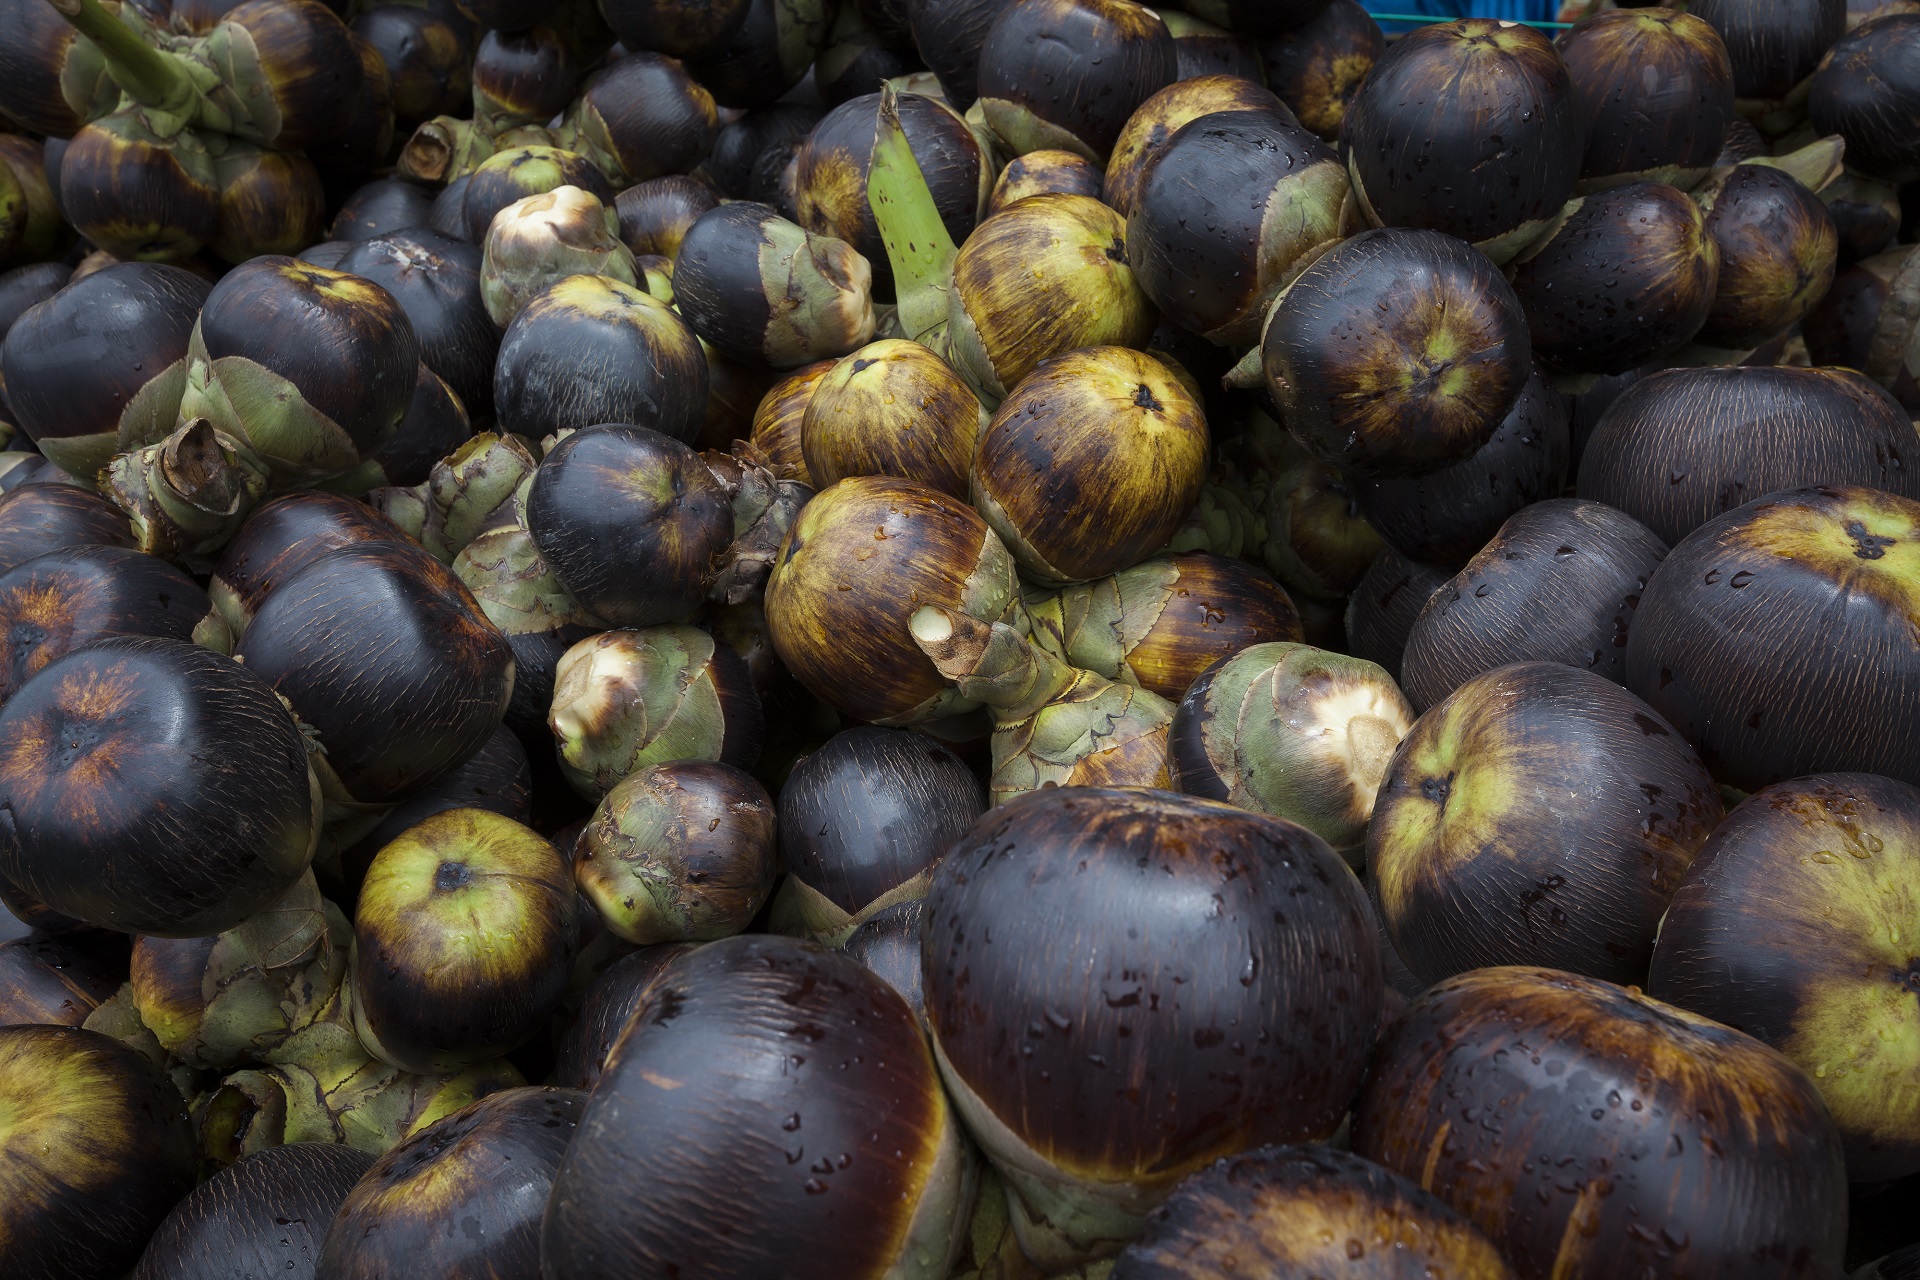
x=1511, y=10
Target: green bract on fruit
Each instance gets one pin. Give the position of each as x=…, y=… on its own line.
x=1396, y=352
x=541, y=239
x=152, y=786
x=1292, y=731
x=1539, y=815
x=311, y=369
x=679, y=852
x=864, y=554
x=840, y=1059
x=1083, y=911
x=1738, y=1159
x=1796, y=925
x=1751, y=637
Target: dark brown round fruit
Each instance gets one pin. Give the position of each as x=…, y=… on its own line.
x=1754, y=636
x=1609, y=1134
x=847, y=1150
x=1182, y=979
x=137, y=195
x=1655, y=90
x=871, y=810
x=767, y=54
x=888, y=943
x=429, y=60
x=56, y=603
x=621, y=988
x=38, y=518
x=655, y=214
x=948, y=34
x=1795, y=925
x=283, y=536
x=1774, y=47
x=1778, y=246
x=460, y=1200
x=1443, y=517
x=1467, y=127
x=678, y=28
x=436, y=281
x=153, y=786
x=519, y=172
x=1867, y=90
x=100, y=366
x=1152, y=126
x=779, y=422
x=1317, y=67
x=524, y=76
x=1068, y=73
x=305, y=77
x=1629, y=277
x=1381, y=610
x=642, y=116
x=1538, y=815
x=1307, y=1211
x=834, y=161
x=1560, y=582
x=265, y=1215
x=892, y=408
x=613, y=497
x=387, y=655
x=1396, y=352
x=1682, y=446
x=648, y=368
x=56, y=980
x=95, y=1151
x=1042, y=172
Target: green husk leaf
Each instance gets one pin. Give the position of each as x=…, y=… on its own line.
x=918, y=244
x=188, y=494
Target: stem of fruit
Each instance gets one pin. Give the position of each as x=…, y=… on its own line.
x=155, y=79
x=918, y=244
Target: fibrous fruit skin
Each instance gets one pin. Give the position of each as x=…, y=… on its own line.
x=1081, y=910
x=1795, y=925
x=1316, y=68
x=1742, y=643
x=1737, y=1162
x=1152, y=126
x=837, y=1057
x=1655, y=90
x=1068, y=73
x=1539, y=815
x=1867, y=90
x=1397, y=352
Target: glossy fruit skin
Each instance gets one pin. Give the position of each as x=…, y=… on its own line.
x=58, y=602
x=1055, y=924
x=1153, y=124
x=871, y=810
x=461, y=1199
x=1381, y=610
x=436, y=281
x=523, y=76
x=1316, y=68
x=1790, y=927
x=840, y=1058
x=38, y=518
x=1538, y=815
x=888, y=943
x=1774, y=47
x=519, y=172
x=264, y=1215
x=1778, y=246
x=891, y=408
x=463, y=939
x=1077, y=68
x=76, y=364
x=833, y=165
x=211, y=812
x=1443, y=517
x=851, y=646
x=655, y=214
x=1397, y=352
x=1041, y=172
x=387, y=655
x=283, y=536
x=1867, y=90
x=1560, y=582
x=948, y=34
x=614, y=997
x=1262, y=1208
x=1741, y=642
x=1738, y=1162
x=767, y=54
x=675, y=27
x=1629, y=277
x=642, y=116
x=96, y=1151
x=429, y=60
x=651, y=372
x=1467, y=127
x=1227, y=213
x=613, y=497
x=1091, y=464
x=1655, y=90
x=56, y=80
x=138, y=195
x=1683, y=446
x=51, y=979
